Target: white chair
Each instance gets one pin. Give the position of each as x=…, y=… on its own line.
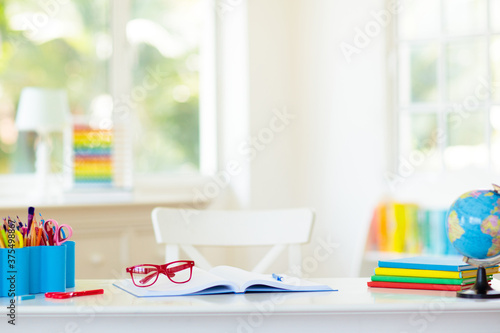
x=186, y=228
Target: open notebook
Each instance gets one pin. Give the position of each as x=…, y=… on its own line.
x=219, y=280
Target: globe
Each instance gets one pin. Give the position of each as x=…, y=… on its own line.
x=474, y=224
x=473, y=227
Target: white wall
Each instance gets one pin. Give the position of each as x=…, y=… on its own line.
x=332, y=155
x=343, y=136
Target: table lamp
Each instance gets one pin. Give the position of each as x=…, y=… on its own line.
x=43, y=111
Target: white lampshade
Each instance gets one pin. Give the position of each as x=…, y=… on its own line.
x=42, y=110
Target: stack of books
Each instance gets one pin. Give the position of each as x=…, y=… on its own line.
x=409, y=228
x=427, y=272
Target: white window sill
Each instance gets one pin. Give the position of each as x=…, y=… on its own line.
x=147, y=190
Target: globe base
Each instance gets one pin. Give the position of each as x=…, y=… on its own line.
x=481, y=288
x=474, y=294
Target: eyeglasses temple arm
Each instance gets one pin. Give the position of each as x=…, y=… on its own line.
x=147, y=278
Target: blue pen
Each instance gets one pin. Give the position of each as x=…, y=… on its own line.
x=277, y=277
x=26, y=297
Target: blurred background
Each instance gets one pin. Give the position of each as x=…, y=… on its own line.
x=252, y=104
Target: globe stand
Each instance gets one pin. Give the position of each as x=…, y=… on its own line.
x=481, y=288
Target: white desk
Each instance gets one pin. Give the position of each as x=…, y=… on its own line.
x=354, y=308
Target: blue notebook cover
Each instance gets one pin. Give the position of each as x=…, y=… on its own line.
x=448, y=263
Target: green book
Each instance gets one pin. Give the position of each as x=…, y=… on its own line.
x=412, y=279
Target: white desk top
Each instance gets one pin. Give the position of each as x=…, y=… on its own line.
x=401, y=310
x=352, y=295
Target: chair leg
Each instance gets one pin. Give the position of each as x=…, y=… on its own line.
x=194, y=254
x=269, y=258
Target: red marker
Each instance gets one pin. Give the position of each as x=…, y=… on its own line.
x=60, y=295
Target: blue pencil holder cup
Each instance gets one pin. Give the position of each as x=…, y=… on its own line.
x=70, y=264
x=37, y=269
x=15, y=272
x=35, y=266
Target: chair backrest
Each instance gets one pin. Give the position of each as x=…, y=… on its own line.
x=186, y=228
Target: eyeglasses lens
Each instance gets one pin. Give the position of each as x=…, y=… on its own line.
x=144, y=275
x=179, y=272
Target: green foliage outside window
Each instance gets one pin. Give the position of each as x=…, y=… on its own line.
x=69, y=46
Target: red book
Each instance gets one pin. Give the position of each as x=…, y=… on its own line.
x=426, y=286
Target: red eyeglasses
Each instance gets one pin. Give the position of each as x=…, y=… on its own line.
x=176, y=271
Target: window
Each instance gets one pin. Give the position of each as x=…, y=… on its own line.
x=448, y=91
x=165, y=37
x=129, y=62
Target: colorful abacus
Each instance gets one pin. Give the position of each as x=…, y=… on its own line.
x=92, y=156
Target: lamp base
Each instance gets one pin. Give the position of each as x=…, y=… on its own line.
x=45, y=189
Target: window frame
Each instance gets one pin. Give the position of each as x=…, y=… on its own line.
x=442, y=107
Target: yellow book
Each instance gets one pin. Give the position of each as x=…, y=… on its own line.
x=398, y=244
x=383, y=243
x=412, y=241
x=431, y=273
x=390, y=228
